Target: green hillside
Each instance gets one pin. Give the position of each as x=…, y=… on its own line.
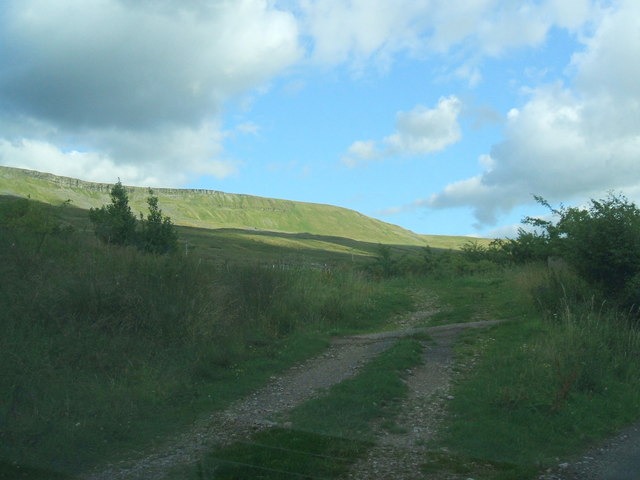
x=211, y=209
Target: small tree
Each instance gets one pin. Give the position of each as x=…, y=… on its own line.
x=385, y=263
x=115, y=223
x=601, y=242
x=158, y=234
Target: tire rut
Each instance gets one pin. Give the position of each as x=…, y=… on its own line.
x=342, y=360
x=253, y=413
x=399, y=453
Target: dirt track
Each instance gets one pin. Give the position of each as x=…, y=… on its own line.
x=342, y=360
x=616, y=459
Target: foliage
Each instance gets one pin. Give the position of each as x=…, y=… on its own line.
x=157, y=233
x=384, y=263
x=534, y=389
x=601, y=242
x=115, y=223
x=104, y=349
x=525, y=248
x=30, y=224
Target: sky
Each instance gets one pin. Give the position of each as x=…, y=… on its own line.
x=441, y=116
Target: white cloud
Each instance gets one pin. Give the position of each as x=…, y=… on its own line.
x=418, y=132
x=567, y=143
x=43, y=156
x=356, y=31
x=424, y=130
x=184, y=152
x=361, y=151
x=140, y=83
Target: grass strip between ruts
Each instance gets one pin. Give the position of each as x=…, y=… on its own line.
x=326, y=434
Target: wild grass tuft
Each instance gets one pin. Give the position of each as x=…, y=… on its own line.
x=548, y=384
x=105, y=348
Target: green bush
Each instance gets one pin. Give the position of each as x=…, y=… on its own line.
x=600, y=242
x=603, y=242
x=157, y=233
x=115, y=224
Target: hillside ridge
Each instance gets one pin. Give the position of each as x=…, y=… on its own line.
x=214, y=209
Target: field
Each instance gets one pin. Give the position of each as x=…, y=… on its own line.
x=107, y=351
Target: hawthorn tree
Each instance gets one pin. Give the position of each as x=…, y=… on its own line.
x=115, y=223
x=157, y=234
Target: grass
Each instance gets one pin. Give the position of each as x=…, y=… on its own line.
x=112, y=348
x=214, y=210
x=327, y=434
x=105, y=349
x=544, y=385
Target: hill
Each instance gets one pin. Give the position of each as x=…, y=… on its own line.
x=210, y=209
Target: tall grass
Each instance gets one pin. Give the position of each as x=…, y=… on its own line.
x=104, y=348
x=548, y=384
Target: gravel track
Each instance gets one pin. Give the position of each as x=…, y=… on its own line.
x=297, y=385
x=618, y=458
x=342, y=360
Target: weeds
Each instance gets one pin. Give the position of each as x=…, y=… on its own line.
x=104, y=347
x=545, y=385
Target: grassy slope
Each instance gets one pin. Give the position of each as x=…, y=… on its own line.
x=215, y=210
x=104, y=348
x=533, y=389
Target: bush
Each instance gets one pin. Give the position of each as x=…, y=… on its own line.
x=116, y=224
x=600, y=242
x=603, y=242
x=157, y=234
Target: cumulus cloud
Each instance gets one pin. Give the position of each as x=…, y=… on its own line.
x=185, y=153
x=418, y=132
x=139, y=82
x=567, y=142
x=356, y=31
x=142, y=84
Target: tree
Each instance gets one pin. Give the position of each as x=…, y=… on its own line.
x=115, y=223
x=601, y=242
x=158, y=234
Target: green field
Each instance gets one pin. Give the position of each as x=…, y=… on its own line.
x=107, y=350
x=212, y=210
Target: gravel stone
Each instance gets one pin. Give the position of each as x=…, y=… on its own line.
x=395, y=456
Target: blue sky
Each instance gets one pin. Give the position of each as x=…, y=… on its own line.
x=441, y=116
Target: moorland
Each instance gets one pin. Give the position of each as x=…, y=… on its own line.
x=108, y=350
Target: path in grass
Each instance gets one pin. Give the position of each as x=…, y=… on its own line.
x=402, y=447
x=256, y=412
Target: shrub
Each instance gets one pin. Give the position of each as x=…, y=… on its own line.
x=157, y=233
x=600, y=242
x=116, y=224
x=603, y=241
